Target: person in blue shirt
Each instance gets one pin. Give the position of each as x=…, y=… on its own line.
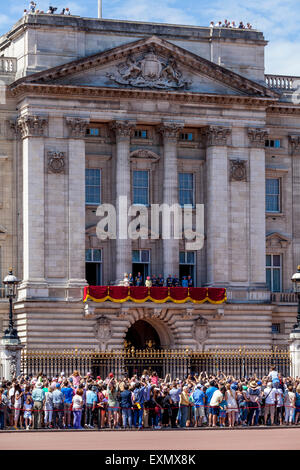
x=91, y=403
x=126, y=406
x=138, y=280
x=58, y=406
x=184, y=282
x=198, y=398
x=138, y=399
x=68, y=393
x=208, y=395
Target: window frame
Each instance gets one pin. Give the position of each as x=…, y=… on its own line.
x=272, y=268
x=98, y=262
x=192, y=206
x=140, y=257
x=279, y=196
x=274, y=146
x=148, y=187
x=88, y=203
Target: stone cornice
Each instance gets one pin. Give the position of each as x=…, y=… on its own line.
x=31, y=125
x=69, y=92
x=216, y=135
x=191, y=61
x=283, y=109
x=257, y=136
x=77, y=127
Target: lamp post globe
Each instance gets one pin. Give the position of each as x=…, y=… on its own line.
x=296, y=287
x=10, y=282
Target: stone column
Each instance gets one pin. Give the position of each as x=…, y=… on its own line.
x=32, y=129
x=169, y=131
x=76, y=197
x=294, y=141
x=257, y=222
x=123, y=259
x=217, y=204
x=295, y=353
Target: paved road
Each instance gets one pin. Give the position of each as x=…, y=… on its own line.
x=222, y=439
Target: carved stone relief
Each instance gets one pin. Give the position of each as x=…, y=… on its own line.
x=56, y=162
x=149, y=71
x=238, y=170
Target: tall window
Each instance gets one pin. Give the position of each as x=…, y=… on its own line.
x=92, y=186
x=273, y=195
x=186, y=189
x=93, y=259
x=141, y=263
x=274, y=272
x=141, y=187
x=187, y=263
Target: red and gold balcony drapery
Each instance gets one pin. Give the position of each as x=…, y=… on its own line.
x=178, y=295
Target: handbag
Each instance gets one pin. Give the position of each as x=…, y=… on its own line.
x=263, y=400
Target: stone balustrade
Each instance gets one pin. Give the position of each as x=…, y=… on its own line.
x=284, y=297
x=8, y=65
x=282, y=82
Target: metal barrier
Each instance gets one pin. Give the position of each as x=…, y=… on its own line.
x=177, y=363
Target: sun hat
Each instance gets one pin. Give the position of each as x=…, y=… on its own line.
x=39, y=384
x=253, y=385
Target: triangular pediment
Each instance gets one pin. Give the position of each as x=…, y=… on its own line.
x=277, y=240
x=149, y=64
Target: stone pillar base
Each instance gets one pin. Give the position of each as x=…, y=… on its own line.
x=30, y=290
x=10, y=360
x=295, y=353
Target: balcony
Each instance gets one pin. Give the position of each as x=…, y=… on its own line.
x=287, y=86
x=284, y=298
x=8, y=65
x=177, y=295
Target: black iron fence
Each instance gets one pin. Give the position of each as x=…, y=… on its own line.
x=177, y=363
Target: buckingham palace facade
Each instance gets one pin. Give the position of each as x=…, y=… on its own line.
x=91, y=110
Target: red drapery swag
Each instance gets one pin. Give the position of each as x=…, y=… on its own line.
x=119, y=294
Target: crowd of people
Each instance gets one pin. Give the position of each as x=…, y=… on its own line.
x=148, y=401
x=230, y=24
x=157, y=281
x=32, y=9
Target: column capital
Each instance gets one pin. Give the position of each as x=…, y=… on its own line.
x=216, y=135
x=257, y=136
x=295, y=143
x=170, y=130
x=77, y=127
x=122, y=129
x=31, y=125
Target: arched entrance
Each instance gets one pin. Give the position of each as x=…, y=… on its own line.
x=142, y=335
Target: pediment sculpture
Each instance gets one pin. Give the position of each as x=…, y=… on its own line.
x=149, y=71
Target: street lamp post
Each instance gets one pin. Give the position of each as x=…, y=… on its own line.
x=295, y=333
x=10, y=336
x=10, y=347
x=296, y=287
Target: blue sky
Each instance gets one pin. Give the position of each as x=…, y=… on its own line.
x=278, y=19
